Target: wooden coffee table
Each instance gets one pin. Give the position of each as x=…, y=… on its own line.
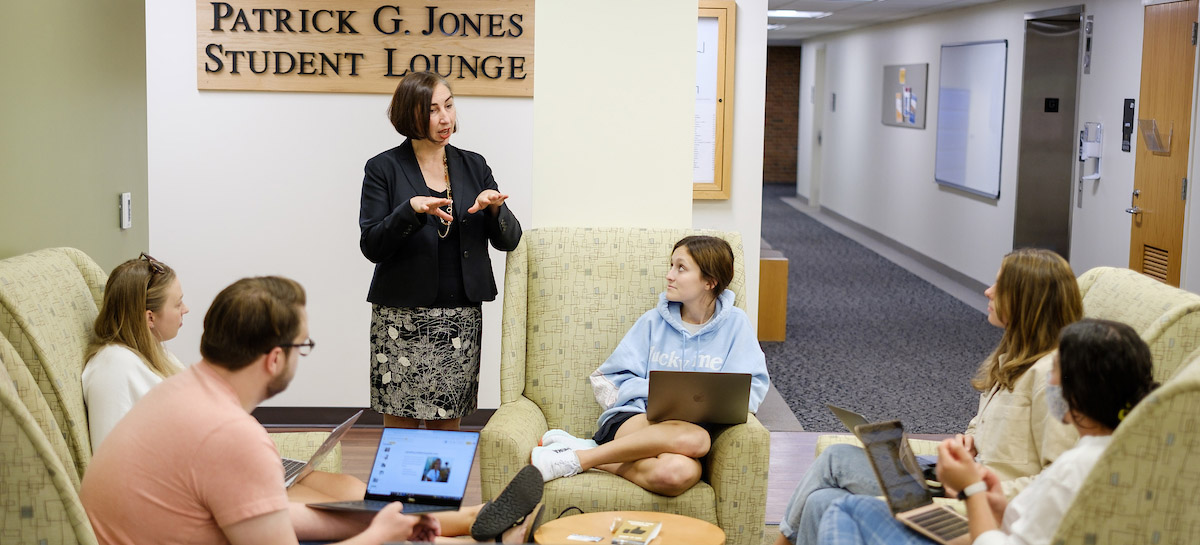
x=676, y=529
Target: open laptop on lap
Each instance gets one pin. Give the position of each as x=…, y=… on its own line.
x=426, y=470
x=910, y=501
x=294, y=470
x=698, y=397
x=853, y=420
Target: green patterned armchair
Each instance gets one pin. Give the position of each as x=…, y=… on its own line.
x=49, y=300
x=570, y=295
x=39, y=498
x=1142, y=491
x=1167, y=318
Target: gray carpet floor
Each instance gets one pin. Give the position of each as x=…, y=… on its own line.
x=866, y=334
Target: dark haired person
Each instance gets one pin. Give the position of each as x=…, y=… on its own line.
x=1103, y=369
x=428, y=212
x=188, y=464
x=695, y=327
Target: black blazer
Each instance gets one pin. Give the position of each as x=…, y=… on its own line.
x=404, y=245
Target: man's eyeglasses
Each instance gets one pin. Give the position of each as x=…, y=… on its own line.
x=305, y=348
x=156, y=266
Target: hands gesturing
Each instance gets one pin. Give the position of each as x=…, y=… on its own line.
x=430, y=205
x=488, y=198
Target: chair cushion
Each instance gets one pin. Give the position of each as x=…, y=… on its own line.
x=602, y=491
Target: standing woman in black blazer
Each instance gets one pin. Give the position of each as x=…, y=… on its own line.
x=428, y=212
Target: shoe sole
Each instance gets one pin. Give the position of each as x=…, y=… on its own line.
x=517, y=500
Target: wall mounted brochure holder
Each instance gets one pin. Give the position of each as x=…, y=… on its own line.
x=1153, y=138
x=1089, y=147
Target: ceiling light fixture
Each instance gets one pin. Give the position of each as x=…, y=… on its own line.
x=771, y=27
x=794, y=14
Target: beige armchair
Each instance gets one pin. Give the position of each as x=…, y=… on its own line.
x=1143, y=488
x=570, y=294
x=1167, y=318
x=40, y=501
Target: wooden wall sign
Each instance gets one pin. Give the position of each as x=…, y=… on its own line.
x=482, y=47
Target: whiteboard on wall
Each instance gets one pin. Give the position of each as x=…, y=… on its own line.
x=970, y=121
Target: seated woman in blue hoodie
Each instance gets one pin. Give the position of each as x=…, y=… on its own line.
x=695, y=327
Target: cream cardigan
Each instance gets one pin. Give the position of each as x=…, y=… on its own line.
x=1014, y=433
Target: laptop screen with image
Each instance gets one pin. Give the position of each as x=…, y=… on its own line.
x=904, y=489
x=427, y=464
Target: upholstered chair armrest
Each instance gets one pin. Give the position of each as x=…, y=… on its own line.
x=508, y=438
x=302, y=445
x=920, y=447
x=737, y=471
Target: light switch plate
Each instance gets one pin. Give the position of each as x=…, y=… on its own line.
x=126, y=210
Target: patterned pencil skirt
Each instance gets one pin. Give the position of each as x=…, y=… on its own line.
x=425, y=361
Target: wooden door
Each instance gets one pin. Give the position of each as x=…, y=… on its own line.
x=1159, y=182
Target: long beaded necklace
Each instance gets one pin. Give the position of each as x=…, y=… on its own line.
x=448, y=208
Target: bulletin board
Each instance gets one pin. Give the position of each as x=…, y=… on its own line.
x=904, y=95
x=713, y=143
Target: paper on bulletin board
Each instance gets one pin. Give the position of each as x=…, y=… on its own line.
x=904, y=95
x=705, y=146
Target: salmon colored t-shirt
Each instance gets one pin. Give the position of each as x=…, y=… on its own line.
x=186, y=461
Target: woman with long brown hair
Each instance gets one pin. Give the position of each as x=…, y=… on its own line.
x=1034, y=297
x=143, y=308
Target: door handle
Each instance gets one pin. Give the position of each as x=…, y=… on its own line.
x=1133, y=207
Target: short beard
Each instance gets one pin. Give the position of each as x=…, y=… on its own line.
x=278, y=384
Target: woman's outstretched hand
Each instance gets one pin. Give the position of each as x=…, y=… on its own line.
x=430, y=205
x=488, y=198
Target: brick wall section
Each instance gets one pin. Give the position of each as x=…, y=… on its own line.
x=782, y=115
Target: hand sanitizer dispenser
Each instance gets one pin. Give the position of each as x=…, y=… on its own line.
x=1090, y=139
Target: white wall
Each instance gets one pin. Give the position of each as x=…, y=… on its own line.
x=244, y=183
x=882, y=177
x=612, y=139
x=743, y=211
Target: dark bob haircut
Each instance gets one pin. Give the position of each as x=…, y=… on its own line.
x=409, y=110
x=1105, y=369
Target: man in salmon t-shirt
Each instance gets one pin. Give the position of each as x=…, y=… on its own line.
x=189, y=463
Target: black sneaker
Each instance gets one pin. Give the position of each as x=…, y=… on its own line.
x=511, y=506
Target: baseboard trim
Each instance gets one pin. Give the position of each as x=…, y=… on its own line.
x=328, y=417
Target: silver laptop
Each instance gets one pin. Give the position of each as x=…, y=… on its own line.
x=698, y=397
x=910, y=501
x=853, y=420
x=427, y=470
x=294, y=470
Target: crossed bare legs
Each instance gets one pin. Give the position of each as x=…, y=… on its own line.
x=662, y=457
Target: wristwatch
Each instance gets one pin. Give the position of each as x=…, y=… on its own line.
x=971, y=490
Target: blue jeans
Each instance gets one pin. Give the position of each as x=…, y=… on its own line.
x=840, y=470
x=863, y=520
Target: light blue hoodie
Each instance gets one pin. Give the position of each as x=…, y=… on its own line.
x=659, y=341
